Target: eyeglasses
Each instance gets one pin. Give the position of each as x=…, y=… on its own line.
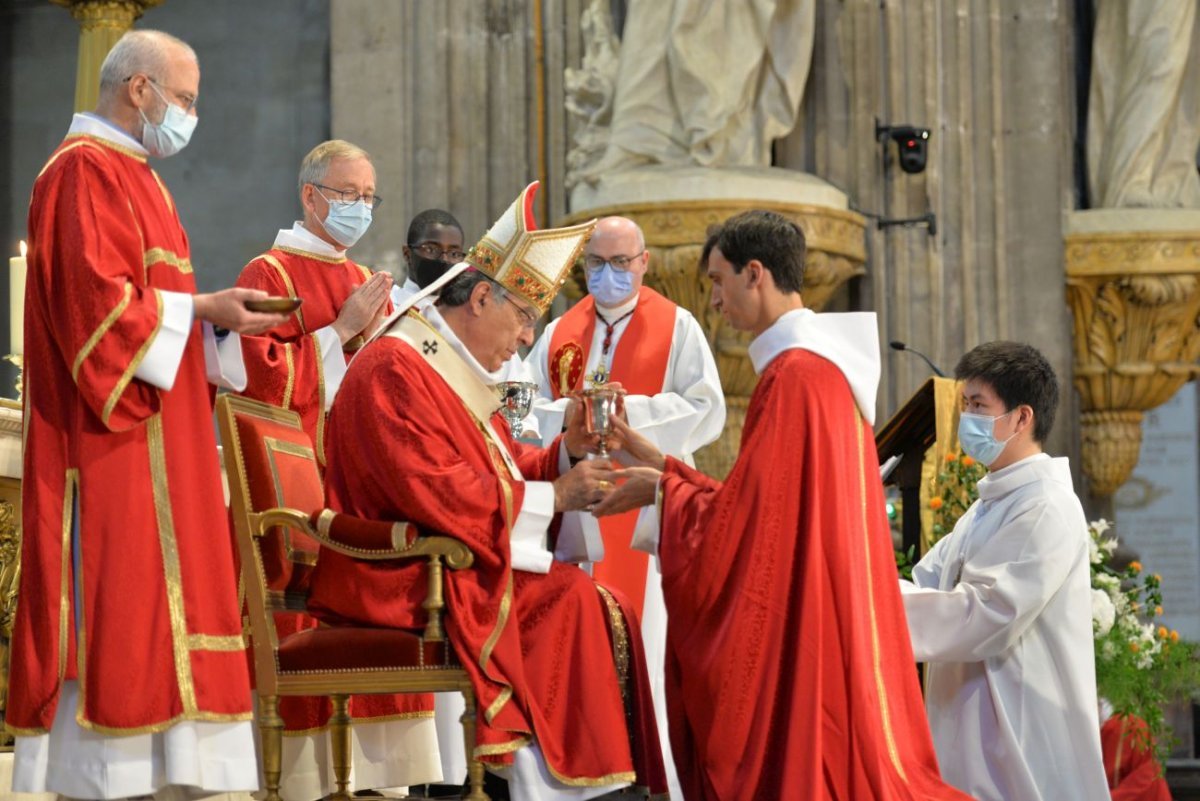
x=432, y=250
x=528, y=320
x=188, y=100
x=619, y=263
x=352, y=196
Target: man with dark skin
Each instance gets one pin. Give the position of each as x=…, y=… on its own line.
x=434, y=244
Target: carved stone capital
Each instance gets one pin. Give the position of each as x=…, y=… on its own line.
x=1135, y=300
x=117, y=15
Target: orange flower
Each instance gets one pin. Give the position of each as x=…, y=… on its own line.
x=1158, y=611
x=951, y=457
x=1134, y=647
x=1158, y=578
x=1174, y=635
x=1163, y=633
x=1135, y=566
x=935, y=503
x=968, y=461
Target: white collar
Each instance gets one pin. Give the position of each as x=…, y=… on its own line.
x=617, y=312
x=434, y=317
x=95, y=125
x=1038, y=467
x=300, y=238
x=849, y=340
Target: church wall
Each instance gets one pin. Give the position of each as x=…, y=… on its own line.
x=994, y=82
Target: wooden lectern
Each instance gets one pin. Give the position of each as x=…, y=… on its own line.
x=920, y=435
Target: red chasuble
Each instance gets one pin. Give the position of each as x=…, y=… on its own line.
x=639, y=363
x=144, y=612
x=404, y=446
x=1133, y=773
x=789, y=668
x=284, y=368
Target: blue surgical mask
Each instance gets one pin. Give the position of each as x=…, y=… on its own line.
x=347, y=221
x=977, y=435
x=172, y=134
x=609, y=286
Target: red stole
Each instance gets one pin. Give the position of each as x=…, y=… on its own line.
x=639, y=363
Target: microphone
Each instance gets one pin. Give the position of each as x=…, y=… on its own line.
x=898, y=345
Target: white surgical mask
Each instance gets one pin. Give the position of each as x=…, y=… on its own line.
x=977, y=435
x=347, y=221
x=609, y=286
x=172, y=134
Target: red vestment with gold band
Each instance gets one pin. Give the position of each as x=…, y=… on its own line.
x=128, y=581
x=405, y=446
x=284, y=367
x=789, y=668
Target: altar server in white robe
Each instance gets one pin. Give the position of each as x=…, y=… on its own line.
x=627, y=333
x=1000, y=609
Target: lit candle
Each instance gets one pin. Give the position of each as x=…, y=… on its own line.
x=16, y=302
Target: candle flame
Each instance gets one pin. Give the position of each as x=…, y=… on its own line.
x=24, y=248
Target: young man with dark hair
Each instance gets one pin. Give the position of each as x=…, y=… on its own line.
x=789, y=671
x=434, y=244
x=1000, y=609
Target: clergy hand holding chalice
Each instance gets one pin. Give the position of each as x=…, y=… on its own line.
x=639, y=481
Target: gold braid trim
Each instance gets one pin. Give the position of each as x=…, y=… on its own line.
x=287, y=281
x=155, y=256
x=501, y=748
x=127, y=376
x=171, y=568
x=64, y=589
x=290, y=363
x=308, y=254
x=876, y=657
x=101, y=330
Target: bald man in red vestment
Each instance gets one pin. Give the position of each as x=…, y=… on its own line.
x=789, y=669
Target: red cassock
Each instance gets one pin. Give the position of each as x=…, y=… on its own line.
x=284, y=368
x=404, y=446
x=789, y=668
x=145, y=615
x=1133, y=772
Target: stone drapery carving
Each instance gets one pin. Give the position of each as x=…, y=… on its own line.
x=703, y=83
x=1144, y=105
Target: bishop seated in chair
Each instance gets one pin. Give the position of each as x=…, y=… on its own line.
x=415, y=436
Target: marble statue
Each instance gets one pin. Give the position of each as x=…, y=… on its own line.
x=1144, y=106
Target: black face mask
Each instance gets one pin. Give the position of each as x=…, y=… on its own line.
x=425, y=271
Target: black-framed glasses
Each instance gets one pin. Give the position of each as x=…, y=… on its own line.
x=188, y=100
x=432, y=250
x=352, y=196
x=528, y=320
x=591, y=262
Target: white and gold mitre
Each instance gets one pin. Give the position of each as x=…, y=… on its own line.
x=529, y=263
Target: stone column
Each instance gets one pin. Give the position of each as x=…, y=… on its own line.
x=459, y=103
x=992, y=80
x=101, y=24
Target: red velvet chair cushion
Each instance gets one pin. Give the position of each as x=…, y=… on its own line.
x=281, y=470
x=358, y=533
x=354, y=648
